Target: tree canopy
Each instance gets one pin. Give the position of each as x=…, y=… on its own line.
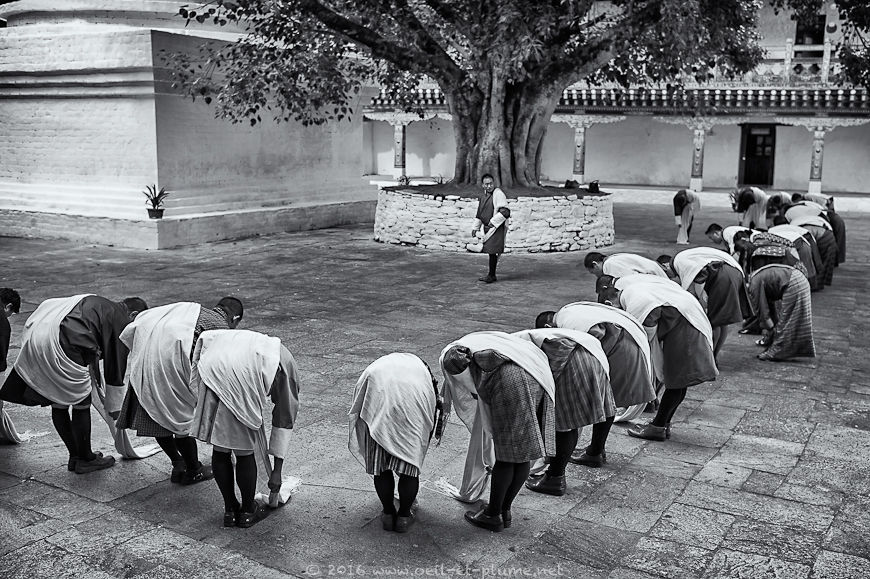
x=501, y=64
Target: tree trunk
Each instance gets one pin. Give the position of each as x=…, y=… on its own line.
x=500, y=130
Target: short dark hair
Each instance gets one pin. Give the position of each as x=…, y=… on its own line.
x=10, y=296
x=485, y=175
x=545, y=319
x=232, y=306
x=135, y=304
x=591, y=258
x=604, y=283
x=742, y=234
x=714, y=228
x=780, y=220
x=795, y=197
x=664, y=258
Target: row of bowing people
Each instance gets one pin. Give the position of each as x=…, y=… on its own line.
x=183, y=372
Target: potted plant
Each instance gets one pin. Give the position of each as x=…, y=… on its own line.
x=155, y=198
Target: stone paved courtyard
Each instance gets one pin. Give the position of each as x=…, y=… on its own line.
x=767, y=473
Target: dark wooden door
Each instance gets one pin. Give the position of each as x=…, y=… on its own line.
x=759, y=144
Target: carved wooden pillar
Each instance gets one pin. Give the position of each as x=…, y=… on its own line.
x=815, y=185
x=399, y=149
x=696, y=182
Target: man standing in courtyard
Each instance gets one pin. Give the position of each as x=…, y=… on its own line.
x=58, y=366
x=491, y=222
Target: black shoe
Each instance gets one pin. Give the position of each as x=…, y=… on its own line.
x=648, y=432
x=71, y=463
x=99, y=462
x=549, y=485
x=484, y=521
x=247, y=520
x=488, y=279
x=586, y=459
x=388, y=521
x=404, y=523
x=231, y=518
x=178, y=470
x=201, y=474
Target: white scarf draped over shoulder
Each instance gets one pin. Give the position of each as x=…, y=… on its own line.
x=394, y=396
x=460, y=393
x=583, y=315
x=239, y=366
x=158, y=365
x=623, y=264
x=43, y=364
x=689, y=263
x=790, y=232
x=641, y=296
x=586, y=341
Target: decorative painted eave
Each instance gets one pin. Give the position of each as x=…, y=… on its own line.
x=760, y=101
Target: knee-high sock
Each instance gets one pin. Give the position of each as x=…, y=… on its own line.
x=246, y=478
x=385, y=486
x=671, y=400
x=521, y=473
x=600, y=432
x=500, y=482
x=63, y=425
x=222, y=464
x=493, y=262
x=408, y=488
x=565, y=443
x=187, y=449
x=81, y=428
x=167, y=443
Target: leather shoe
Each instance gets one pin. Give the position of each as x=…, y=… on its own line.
x=388, y=521
x=231, y=518
x=403, y=523
x=203, y=473
x=99, y=462
x=484, y=521
x=586, y=459
x=648, y=432
x=488, y=279
x=549, y=485
x=178, y=470
x=247, y=520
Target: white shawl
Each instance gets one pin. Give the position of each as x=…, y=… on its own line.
x=239, y=366
x=689, y=263
x=43, y=364
x=394, y=397
x=622, y=264
x=583, y=315
x=460, y=392
x=160, y=340
x=790, y=232
x=757, y=212
x=640, y=297
x=589, y=343
x=816, y=220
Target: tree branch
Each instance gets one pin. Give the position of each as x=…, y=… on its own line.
x=402, y=56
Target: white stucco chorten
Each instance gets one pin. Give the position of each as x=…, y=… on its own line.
x=90, y=119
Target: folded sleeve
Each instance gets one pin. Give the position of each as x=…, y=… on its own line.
x=285, y=397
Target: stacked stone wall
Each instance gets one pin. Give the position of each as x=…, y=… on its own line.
x=537, y=224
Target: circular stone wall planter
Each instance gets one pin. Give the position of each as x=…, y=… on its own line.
x=537, y=224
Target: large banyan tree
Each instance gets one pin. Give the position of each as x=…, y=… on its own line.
x=501, y=64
